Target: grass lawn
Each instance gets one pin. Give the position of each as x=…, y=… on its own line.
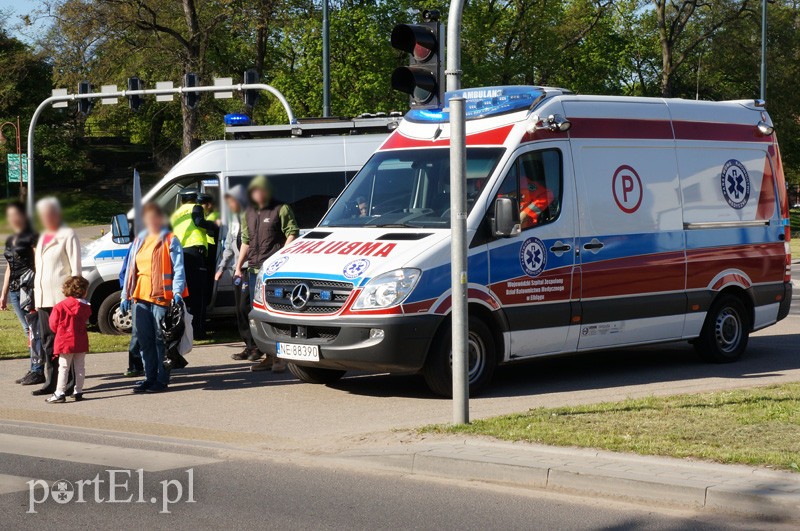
x=753, y=426
x=14, y=345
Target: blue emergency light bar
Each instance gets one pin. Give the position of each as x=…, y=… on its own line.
x=483, y=103
x=236, y=119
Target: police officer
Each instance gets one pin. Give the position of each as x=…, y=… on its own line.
x=191, y=228
x=212, y=215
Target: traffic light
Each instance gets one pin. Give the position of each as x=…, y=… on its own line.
x=84, y=104
x=191, y=98
x=250, y=96
x=423, y=78
x=135, y=101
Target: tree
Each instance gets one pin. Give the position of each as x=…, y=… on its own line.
x=685, y=25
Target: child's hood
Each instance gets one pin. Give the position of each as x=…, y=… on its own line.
x=77, y=307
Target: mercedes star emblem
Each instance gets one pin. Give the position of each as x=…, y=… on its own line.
x=300, y=296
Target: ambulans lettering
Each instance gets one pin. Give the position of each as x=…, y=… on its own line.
x=378, y=249
x=735, y=184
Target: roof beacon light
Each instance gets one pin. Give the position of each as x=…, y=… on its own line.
x=232, y=120
x=485, y=102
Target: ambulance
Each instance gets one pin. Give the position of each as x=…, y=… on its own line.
x=594, y=223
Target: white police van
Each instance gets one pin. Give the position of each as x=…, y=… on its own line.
x=308, y=163
x=595, y=223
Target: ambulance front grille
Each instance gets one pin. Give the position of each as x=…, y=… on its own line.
x=324, y=296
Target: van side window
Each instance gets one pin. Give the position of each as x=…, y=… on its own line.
x=534, y=182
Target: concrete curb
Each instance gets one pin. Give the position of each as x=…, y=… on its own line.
x=732, y=489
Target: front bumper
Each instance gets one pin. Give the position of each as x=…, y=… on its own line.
x=346, y=343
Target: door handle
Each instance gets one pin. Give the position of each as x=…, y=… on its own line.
x=560, y=248
x=594, y=245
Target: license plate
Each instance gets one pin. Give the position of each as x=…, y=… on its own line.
x=291, y=351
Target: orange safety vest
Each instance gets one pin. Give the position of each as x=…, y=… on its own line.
x=167, y=273
x=535, y=198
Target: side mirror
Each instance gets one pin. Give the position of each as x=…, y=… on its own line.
x=506, y=218
x=121, y=230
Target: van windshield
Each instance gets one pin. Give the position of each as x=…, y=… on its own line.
x=409, y=188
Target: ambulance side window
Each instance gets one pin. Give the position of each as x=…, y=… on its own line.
x=534, y=182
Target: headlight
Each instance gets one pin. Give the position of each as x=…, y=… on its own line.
x=388, y=289
x=258, y=291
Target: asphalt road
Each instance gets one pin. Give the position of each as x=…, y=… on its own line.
x=247, y=493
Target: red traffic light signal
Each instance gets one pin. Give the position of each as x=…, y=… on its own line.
x=423, y=78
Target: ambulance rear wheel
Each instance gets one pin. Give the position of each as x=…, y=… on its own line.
x=726, y=331
x=482, y=359
x=109, y=320
x=315, y=375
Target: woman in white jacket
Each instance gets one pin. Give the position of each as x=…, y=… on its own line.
x=58, y=257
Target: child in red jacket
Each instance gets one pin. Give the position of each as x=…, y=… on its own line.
x=68, y=322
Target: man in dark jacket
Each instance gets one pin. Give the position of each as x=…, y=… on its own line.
x=269, y=225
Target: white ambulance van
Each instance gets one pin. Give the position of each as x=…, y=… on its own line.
x=595, y=223
x=308, y=165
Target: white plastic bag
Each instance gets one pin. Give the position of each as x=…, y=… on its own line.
x=187, y=341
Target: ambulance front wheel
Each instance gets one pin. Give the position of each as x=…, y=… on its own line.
x=726, y=330
x=482, y=358
x=315, y=375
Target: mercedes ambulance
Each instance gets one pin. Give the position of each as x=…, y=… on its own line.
x=309, y=163
x=594, y=223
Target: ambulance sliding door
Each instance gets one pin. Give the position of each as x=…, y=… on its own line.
x=531, y=274
x=631, y=243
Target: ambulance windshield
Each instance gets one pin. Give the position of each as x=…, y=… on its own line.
x=409, y=188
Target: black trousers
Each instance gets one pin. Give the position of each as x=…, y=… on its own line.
x=242, y=301
x=194, y=263
x=48, y=338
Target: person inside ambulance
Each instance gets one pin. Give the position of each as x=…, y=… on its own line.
x=535, y=197
x=362, y=206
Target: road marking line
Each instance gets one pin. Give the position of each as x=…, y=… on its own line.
x=98, y=454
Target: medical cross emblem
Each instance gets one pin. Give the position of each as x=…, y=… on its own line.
x=533, y=257
x=735, y=184
x=355, y=268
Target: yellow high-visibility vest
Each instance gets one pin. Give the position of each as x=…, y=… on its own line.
x=214, y=216
x=189, y=234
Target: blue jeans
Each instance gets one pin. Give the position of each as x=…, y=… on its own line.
x=134, y=353
x=147, y=319
x=251, y=284
x=13, y=300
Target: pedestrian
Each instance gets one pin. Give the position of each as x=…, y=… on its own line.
x=236, y=198
x=57, y=257
x=269, y=226
x=154, y=278
x=191, y=229
x=18, y=281
x=68, y=321
x=135, y=365
x=212, y=234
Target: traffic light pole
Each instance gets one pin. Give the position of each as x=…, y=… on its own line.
x=124, y=93
x=459, y=314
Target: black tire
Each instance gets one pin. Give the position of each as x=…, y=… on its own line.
x=316, y=375
x=726, y=331
x=108, y=321
x=438, y=372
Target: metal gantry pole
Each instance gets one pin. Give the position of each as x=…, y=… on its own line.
x=326, y=59
x=124, y=93
x=458, y=260
x=763, y=92
x=459, y=314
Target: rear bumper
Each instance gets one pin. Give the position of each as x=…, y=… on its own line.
x=786, y=303
x=348, y=344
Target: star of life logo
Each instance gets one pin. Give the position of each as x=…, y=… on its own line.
x=273, y=267
x=735, y=184
x=533, y=257
x=355, y=269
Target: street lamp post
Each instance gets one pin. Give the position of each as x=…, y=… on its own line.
x=19, y=152
x=326, y=60
x=763, y=92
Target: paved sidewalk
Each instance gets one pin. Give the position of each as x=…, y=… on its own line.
x=737, y=489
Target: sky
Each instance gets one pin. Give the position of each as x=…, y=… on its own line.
x=16, y=9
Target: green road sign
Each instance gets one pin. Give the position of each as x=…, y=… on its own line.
x=13, y=168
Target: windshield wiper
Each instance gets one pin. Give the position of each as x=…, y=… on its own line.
x=392, y=226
